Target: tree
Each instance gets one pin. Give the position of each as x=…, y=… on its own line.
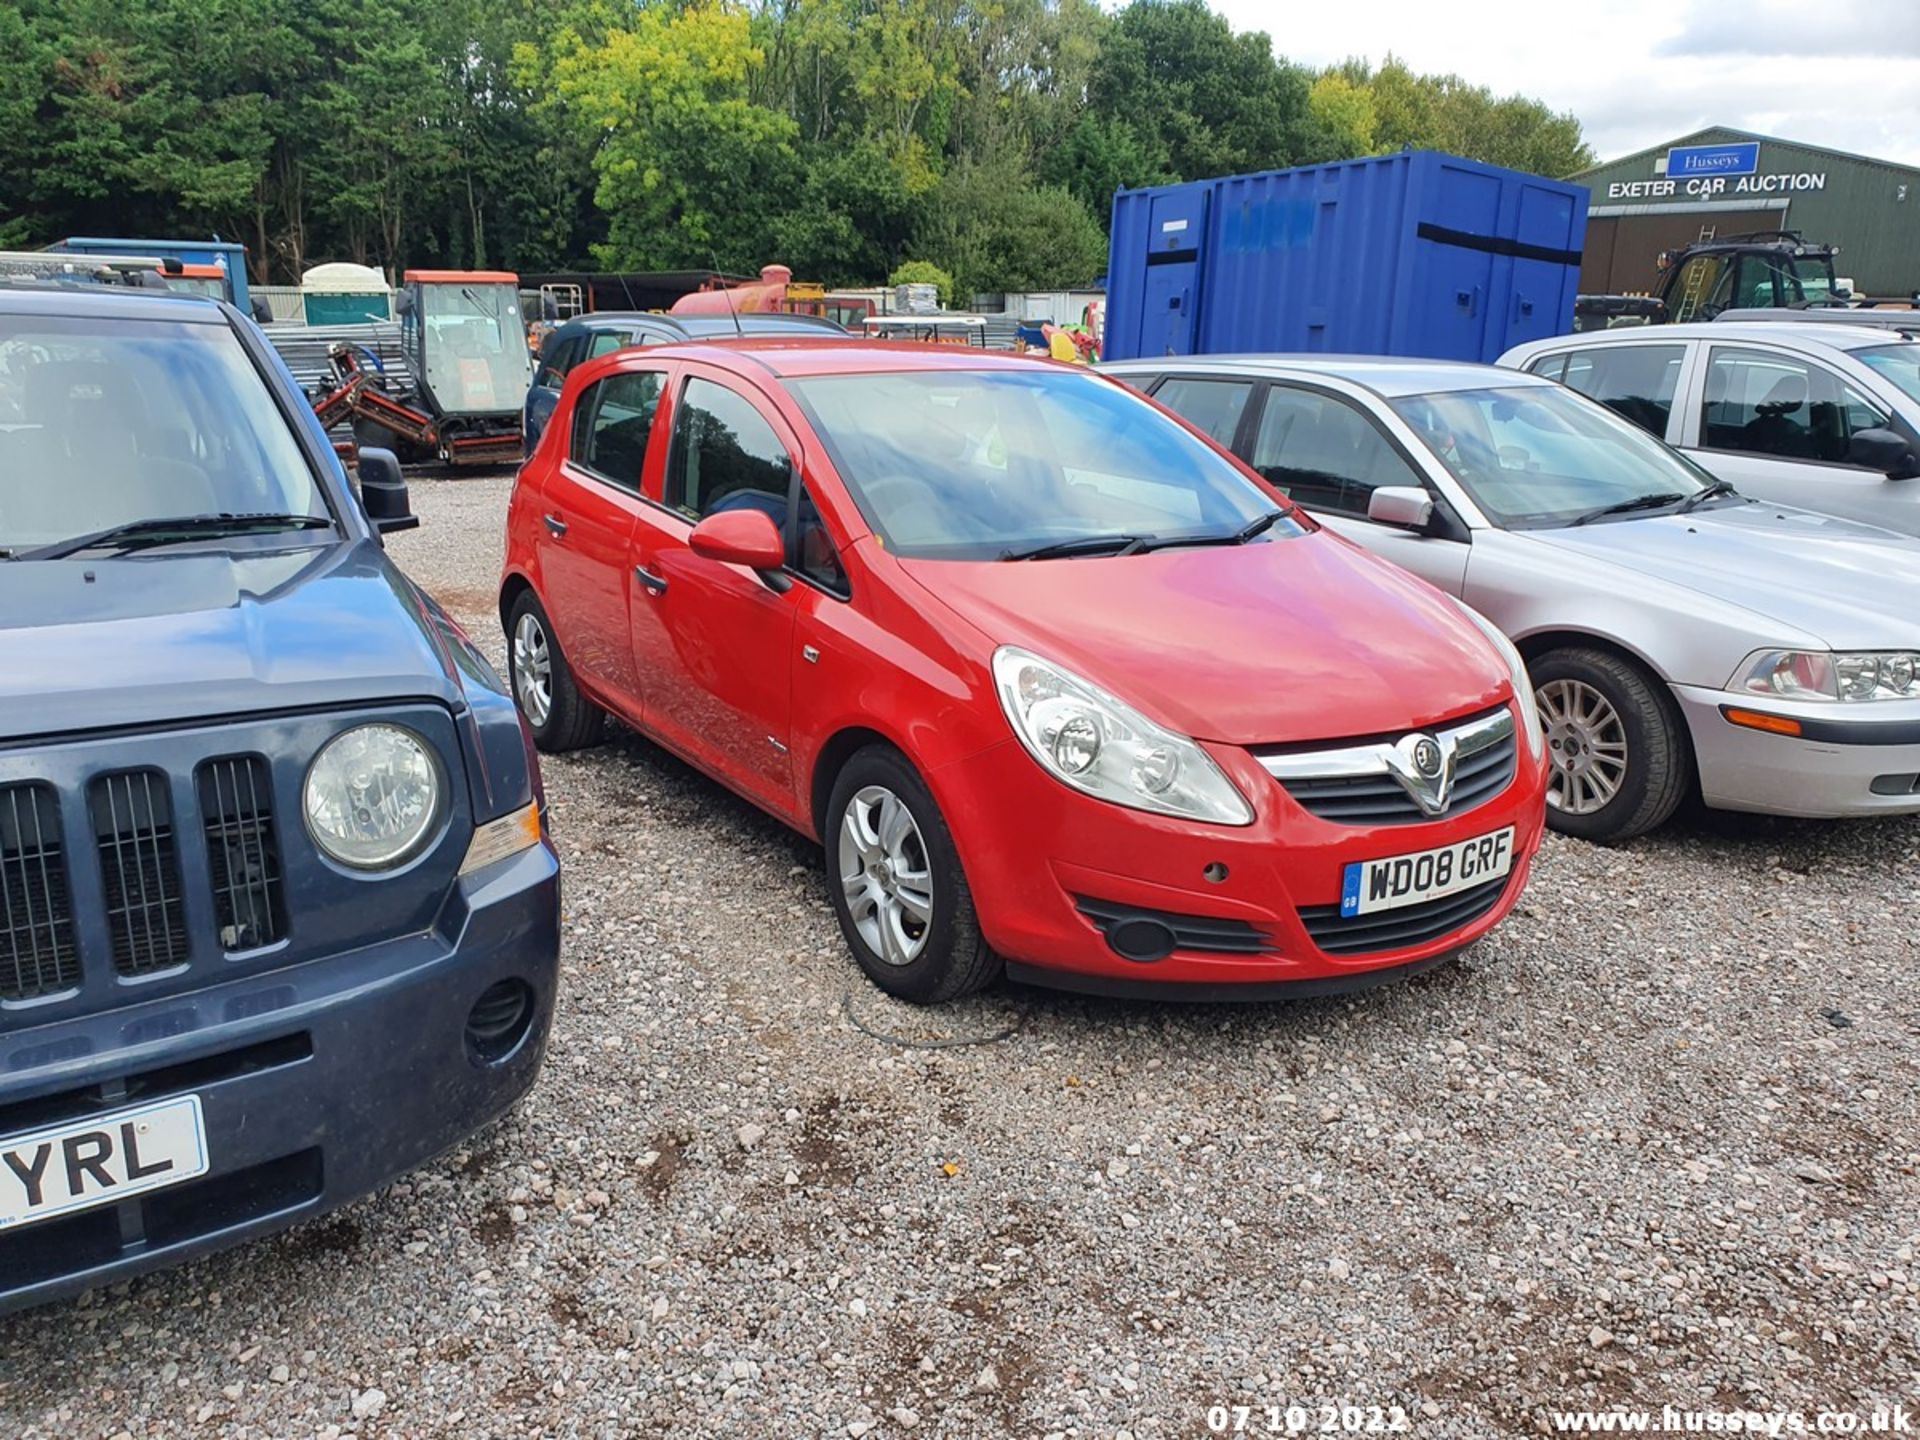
x=993, y=230
x=924, y=272
x=690, y=170
x=1212, y=102
x=1344, y=116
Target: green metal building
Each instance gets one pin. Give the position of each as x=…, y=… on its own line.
x=1719, y=182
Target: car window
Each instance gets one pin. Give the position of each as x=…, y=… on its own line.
x=726, y=456
x=109, y=422
x=612, y=423
x=1323, y=452
x=955, y=464
x=1636, y=382
x=1765, y=403
x=1897, y=363
x=814, y=553
x=608, y=341
x=1535, y=456
x=1214, y=405
x=555, y=361
x=1554, y=367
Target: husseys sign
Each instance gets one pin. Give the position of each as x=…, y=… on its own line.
x=1704, y=172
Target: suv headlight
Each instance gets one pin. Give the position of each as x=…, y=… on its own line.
x=373, y=796
x=1827, y=675
x=1103, y=746
x=1522, y=682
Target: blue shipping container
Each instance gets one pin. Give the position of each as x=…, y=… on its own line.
x=226, y=254
x=1411, y=254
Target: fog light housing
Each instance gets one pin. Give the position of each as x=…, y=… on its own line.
x=499, y=1021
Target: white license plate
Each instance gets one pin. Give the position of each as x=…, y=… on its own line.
x=96, y=1162
x=1371, y=885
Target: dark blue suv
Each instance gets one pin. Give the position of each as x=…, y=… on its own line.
x=279, y=918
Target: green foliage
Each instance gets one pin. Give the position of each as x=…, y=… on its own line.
x=840, y=137
x=924, y=272
x=992, y=230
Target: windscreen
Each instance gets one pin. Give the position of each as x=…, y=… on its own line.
x=476, y=347
x=1898, y=363
x=105, y=423
x=975, y=465
x=1539, y=455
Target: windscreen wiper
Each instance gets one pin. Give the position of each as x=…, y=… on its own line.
x=1083, y=545
x=142, y=533
x=1700, y=497
x=1626, y=507
x=1257, y=526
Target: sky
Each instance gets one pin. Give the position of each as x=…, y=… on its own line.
x=1636, y=73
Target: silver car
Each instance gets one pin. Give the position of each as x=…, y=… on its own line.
x=1811, y=413
x=1681, y=637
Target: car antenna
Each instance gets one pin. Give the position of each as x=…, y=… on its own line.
x=726, y=290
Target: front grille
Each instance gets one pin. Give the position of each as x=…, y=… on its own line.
x=1190, y=932
x=236, y=808
x=1377, y=798
x=37, y=952
x=133, y=827
x=1398, y=929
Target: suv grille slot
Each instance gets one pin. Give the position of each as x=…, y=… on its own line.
x=236, y=805
x=37, y=953
x=133, y=825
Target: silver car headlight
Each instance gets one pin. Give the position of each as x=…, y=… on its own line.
x=1829, y=675
x=373, y=796
x=1101, y=745
x=1517, y=672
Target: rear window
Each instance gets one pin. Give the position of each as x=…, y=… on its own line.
x=109, y=422
x=1636, y=382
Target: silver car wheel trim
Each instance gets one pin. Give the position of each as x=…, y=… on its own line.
x=1586, y=746
x=532, y=670
x=886, y=875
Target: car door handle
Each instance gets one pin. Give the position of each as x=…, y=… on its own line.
x=556, y=525
x=656, y=584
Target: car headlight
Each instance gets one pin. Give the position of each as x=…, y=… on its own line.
x=1826, y=675
x=1101, y=745
x=1517, y=672
x=373, y=796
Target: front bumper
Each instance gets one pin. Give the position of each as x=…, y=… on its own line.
x=1852, y=760
x=1050, y=867
x=319, y=1082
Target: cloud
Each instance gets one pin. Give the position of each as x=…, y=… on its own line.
x=1793, y=29
x=1639, y=73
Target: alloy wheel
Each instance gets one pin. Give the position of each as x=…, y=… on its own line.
x=886, y=875
x=532, y=669
x=1586, y=746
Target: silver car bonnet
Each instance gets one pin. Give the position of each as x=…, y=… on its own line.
x=1855, y=586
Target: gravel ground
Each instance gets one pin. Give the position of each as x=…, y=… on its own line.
x=1652, y=1143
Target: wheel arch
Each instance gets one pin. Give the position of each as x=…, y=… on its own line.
x=512, y=587
x=839, y=747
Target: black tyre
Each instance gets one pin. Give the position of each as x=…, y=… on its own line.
x=897, y=885
x=1616, y=747
x=560, y=717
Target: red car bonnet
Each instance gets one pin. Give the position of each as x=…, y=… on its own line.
x=1305, y=638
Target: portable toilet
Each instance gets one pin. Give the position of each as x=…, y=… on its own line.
x=1417, y=254
x=345, y=294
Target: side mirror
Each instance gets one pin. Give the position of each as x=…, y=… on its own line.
x=383, y=491
x=743, y=537
x=403, y=303
x=1406, y=507
x=1881, y=449
x=262, y=311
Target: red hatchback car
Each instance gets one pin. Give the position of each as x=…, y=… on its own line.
x=1058, y=684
